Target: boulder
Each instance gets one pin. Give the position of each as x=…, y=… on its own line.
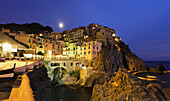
x=151, y=69
x=160, y=68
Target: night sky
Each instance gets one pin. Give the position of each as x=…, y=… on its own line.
x=143, y=24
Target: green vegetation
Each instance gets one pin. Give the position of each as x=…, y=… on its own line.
x=75, y=73
x=28, y=27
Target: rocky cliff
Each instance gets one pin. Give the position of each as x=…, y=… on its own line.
x=112, y=56
x=40, y=84
x=130, y=60
x=125, y=86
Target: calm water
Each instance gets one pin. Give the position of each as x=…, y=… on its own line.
x=154, y=64
x=64, y=93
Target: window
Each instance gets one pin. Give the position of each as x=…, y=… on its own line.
x=46, y=45
x=30, y=46
x=68, y=52
x=84, y=48
x=93, y=47
x=93, y=42
x=64, y=64
x=103, y=33
x=97, y=48
x=58, y=47
x=89, y=43
x=29, y=40
x=94, y=52
x=76, y=52
x=81, y=53
x=68, y=48
x=89, y=52
x=81, y=49
x=40, y=43
x=46, y=41
x=53, y=45
x=58, y=51
x=41, y=46
x=84, y=53
x=71, y=64
x=73, y=52
x=89, y=47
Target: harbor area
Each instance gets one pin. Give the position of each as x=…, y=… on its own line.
x=14, y=82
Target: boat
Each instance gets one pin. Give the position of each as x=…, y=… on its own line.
x=7, y=73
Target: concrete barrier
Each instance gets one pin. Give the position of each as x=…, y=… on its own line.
x=23, y=92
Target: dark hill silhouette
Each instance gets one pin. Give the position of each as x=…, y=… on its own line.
x=28, y=27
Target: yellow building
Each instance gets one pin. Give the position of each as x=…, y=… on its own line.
x=87, y=50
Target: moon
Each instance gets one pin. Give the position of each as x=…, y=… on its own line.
x=61, y=25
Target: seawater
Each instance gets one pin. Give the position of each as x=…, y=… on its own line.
x=160, y=76
x=64, y=93
x=154, y=64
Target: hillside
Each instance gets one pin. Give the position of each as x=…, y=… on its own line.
x=28, y=27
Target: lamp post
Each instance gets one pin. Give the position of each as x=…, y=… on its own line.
x=6, y=48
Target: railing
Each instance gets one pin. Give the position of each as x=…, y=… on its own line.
x=56, y=59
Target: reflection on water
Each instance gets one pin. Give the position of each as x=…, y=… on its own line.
x=64, y=93
x=161, y=77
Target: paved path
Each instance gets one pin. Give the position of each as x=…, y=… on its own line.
x=5, y=88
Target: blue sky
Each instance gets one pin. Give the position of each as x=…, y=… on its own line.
x=143, y=24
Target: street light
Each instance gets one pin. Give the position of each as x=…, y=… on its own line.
x=6, y=47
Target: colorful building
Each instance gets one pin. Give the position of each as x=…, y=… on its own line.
x=87, y=50
x=52, y=48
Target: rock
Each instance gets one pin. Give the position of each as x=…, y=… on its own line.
x=40, y=84
x=112, y=56
x=151, y=69
x=130, y=60
x=160, y=68
x=125, y=86
x=96, y=78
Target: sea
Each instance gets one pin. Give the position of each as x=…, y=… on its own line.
x=64, y=93
x=154, y=64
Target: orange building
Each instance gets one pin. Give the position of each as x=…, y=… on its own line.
x=52, y=48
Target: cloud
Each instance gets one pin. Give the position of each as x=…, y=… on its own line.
x=160, y=55
x=157, y=46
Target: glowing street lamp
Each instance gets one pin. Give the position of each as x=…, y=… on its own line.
x=6, y=47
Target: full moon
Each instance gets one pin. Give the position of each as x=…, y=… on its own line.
x=61, y=25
